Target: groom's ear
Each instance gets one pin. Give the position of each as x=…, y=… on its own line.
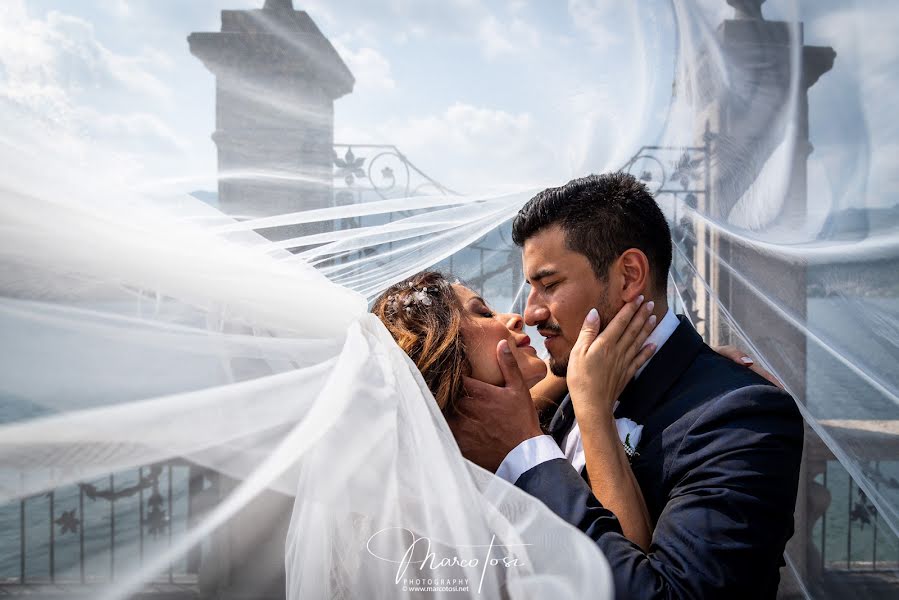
x=633, y=274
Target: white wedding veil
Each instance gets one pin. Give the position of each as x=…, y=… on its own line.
x=285, y=386
x=194, y=398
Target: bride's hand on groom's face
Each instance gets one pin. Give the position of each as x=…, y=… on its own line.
x=601, y=364
x=492, y=420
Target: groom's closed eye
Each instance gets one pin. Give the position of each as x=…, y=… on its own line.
x=541, y=274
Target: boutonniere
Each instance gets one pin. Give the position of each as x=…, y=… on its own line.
x=630, y=433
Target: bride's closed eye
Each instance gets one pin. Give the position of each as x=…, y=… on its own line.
x=479, y=307
x=486, y=312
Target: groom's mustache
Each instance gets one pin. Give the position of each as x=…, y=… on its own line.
x=549, y=329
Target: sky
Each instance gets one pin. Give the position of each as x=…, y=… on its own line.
x=483, y=96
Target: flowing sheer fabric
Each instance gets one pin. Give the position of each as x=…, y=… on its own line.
x=192, y=391
x=309, y=398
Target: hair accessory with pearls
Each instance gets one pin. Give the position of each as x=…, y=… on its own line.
x=417, y=297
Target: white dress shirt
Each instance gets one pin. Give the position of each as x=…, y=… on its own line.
x=536, y=450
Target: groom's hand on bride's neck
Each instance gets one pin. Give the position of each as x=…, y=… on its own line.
x=492, y=420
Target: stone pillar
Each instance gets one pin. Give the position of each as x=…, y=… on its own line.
x=748, y=120
x=277, y=78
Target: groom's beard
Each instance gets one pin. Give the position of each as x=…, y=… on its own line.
x=559, y=366
x=558, y=369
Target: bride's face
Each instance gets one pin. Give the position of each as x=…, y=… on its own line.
x=482, y=329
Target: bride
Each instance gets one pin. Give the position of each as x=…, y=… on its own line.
x=452, y=335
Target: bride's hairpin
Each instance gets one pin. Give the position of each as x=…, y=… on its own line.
x=416, y=297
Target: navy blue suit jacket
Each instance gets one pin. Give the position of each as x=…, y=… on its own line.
x=718, y=465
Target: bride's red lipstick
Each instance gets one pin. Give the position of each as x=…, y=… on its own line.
x=524, y=342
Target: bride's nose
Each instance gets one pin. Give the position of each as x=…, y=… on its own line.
x=513, y=321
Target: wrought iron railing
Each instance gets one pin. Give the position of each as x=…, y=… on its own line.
x=850, y=535
x=679, y=176
x=380, y=169
x=44, y=537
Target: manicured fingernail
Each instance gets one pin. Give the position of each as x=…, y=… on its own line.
x=650, y=305
x=640, y=299
x=747, y=361
x=652, y=320
x=592, y=316
x=504, y=346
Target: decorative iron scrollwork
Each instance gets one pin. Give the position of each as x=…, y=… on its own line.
x=687, y=169
x=386, y=171
x=349, y=167
x=680, y=174
x=145, y=482
x=156, y=519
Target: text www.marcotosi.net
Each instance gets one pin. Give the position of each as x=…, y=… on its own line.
x=435, y=585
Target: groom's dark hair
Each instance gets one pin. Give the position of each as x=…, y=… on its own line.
x=602, y=216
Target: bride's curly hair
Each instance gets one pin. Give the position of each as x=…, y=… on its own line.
x=424, y=316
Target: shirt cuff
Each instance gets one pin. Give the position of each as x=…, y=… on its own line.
x=527, y=455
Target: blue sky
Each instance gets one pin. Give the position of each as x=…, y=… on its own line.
x=481, y=95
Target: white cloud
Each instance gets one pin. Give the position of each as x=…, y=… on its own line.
x=49, y=59
x=469, y=148
x=370, y=68
x=55, y=72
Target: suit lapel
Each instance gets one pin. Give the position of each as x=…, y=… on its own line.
x=643, y=393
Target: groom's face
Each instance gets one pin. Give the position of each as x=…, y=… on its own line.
x=564, y=288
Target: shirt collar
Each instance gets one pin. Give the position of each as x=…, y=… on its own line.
x=660, y=335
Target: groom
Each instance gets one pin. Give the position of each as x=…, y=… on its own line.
x=718, y=460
